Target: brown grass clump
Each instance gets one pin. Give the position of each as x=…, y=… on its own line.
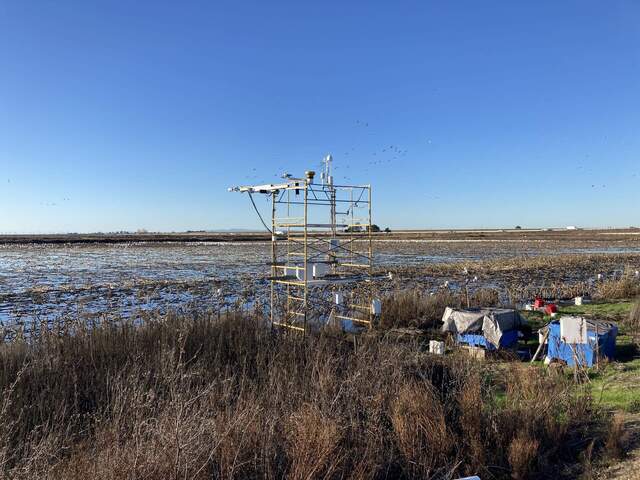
x=633, y=323
x=314, y=445
x=203, y=397
x=420, y=309
x=485, y=297
x=415, y=308
x=522, y=454
x=420, y=427
x=469, y=400
x=625, y=287
x=617, y=438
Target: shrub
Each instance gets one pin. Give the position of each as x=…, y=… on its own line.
x=616, y=438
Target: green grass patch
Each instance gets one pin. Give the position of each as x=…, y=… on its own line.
x=617, y=386
x=603, y=310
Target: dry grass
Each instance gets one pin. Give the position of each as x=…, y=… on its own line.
x=633, y=323
x=422, y=435
x=617, y=438
x=523, y=277
x=622, y=288
x=416, y=308
x=199, y=397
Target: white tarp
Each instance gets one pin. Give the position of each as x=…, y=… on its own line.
x=490, y=322
x=573, y=330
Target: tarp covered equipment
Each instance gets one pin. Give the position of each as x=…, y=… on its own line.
x=600, y=341
x=491, y=323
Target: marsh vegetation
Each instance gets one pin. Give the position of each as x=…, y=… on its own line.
x=206, y=397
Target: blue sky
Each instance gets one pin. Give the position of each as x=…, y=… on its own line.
x=126, y=115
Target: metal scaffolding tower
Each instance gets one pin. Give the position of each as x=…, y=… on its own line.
x=321, y=251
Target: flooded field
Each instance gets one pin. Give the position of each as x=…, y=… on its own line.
x=44, y=282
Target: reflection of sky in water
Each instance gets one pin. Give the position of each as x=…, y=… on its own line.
x=44, y=281
x=26, y=267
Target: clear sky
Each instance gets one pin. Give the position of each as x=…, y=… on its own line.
x=119, y=115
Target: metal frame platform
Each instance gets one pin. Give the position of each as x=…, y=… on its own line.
x=321, y=239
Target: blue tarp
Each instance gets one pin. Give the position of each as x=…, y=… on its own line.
x=604, y=343
x=508, y=339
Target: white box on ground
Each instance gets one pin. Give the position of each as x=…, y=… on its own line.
x=573, y=330
x=578, y=300
x=436, y=347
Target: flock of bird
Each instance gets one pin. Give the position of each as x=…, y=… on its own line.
x=383, y=156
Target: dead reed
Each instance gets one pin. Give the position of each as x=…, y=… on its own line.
x=522, y=278
x=632, y=325
x=622, y=288
x=194, y=396
x=417, y=308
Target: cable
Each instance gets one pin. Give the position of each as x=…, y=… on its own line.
x=360, y=197
x=258, y=212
